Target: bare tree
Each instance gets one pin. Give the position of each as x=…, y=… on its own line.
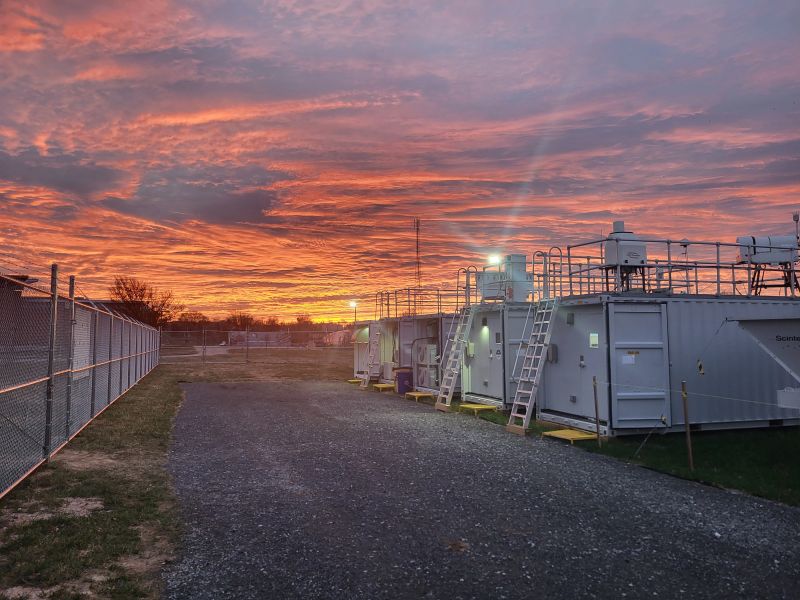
x=143, y=302
x=190, y=320
x=240, y=320
x=193, y=317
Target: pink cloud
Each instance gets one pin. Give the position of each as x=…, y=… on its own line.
x=270, y=156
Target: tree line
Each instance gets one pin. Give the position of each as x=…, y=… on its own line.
x=240, y=321
x=142, y=301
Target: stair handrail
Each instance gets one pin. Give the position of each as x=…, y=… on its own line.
x=559, y=272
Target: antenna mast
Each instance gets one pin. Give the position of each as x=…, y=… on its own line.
x=419, y=263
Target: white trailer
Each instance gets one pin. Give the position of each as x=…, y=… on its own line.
x=641, y=349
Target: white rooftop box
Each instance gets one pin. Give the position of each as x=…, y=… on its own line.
x=624, y=248
x=764, y=250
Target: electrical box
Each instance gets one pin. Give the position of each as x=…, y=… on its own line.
x=552, y=353
x=624, y=248
x=764, y=250
x=470, y=349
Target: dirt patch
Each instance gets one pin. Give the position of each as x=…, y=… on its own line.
x=136, y=466
x=81, y=587
x=26, y=593
x=84, y=460
x=156, y=551
x=13, y=518
x=80, y=507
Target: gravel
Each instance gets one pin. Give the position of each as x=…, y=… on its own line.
x=321, y=490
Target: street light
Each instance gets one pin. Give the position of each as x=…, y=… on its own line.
x=494, y=259
x=354, y=306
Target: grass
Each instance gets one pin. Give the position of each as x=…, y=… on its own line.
x=116, y=547
x=760, y=462
x=270, y=363
x=179, y=351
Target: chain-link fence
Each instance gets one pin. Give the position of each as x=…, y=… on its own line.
x=62, y=362
x=239, y=346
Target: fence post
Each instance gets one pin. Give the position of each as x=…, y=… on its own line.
x=121, y=354
x=687, y=425
x=94, y=333
x=134, y=343
x=130, y=353
x=48, y=415
x=71, y=360
x=204, y=345
x=110, y=354
x=247, y=344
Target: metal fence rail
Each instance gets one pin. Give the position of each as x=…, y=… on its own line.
x=241, y=346
x=62, y=362
x=409, y=302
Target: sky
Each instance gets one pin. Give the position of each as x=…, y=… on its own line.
x=270, y=156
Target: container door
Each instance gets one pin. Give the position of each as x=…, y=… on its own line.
x=407, y=335
x=361, y=350
x=374, y=349
x=639, y=357
x=517, y=329
x=486, y=367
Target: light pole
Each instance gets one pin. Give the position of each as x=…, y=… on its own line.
x=354, y=306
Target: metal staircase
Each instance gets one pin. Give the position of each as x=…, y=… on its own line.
x=374, y=347
x=532, y=365
x=452, y=365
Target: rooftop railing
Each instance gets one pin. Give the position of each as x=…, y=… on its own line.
x=672, y=267
x=410, y=302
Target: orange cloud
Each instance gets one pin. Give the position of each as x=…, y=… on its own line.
x=270, y=156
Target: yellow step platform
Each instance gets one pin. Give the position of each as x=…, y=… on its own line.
x=476, y=408
x=571, y=435
x=419, y=395
x=354, y=381
x=382, y=387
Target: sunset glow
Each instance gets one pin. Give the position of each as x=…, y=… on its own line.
x=271, y=156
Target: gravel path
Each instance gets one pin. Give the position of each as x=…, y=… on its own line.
x=321, y=490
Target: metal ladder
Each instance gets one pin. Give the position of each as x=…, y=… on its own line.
x=452, y=366
x=373, y=355
x=532, y=366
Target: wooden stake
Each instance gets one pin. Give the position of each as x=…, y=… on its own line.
x=596, y=412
